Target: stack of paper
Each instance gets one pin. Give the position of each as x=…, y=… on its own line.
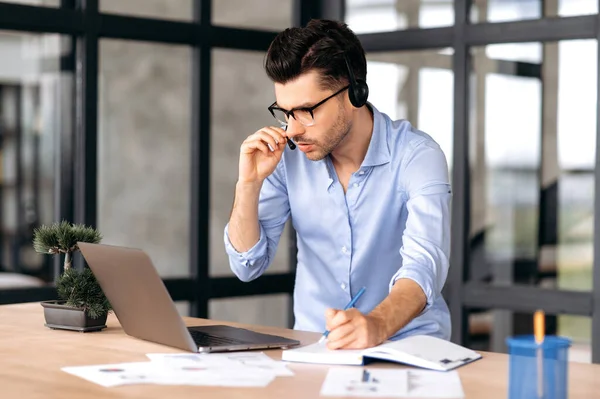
x=248, y=369
x=394, y=383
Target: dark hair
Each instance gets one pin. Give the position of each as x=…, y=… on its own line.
x=318, y=46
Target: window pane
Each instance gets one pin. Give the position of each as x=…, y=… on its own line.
x=263, y=310
x=417, y=86
x=533, y=182
x=505, y=10
x=576, y=159
x=579, y=330
x=35, y=105
x=517, y=10
x=522, y=52
x=272, y=15
x=241, y=93
x=143, y=150
x=183, y=307
x=506, y=136
x=364, y=16
x=568, y=8
x=533, y=165
x=45, y=3
x=163, y=9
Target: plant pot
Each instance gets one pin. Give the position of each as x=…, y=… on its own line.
x=63, y=317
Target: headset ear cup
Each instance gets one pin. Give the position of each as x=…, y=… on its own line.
x=359, y=93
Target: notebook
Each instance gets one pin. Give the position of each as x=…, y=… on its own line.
x=418, y=350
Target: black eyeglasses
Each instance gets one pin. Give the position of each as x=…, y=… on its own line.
x=303, y=115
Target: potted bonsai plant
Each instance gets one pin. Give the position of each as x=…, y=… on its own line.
x=82, y=305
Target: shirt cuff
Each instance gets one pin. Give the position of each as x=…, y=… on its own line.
x=249, y=257
x=422, y=277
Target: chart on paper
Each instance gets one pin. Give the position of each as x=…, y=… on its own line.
x=342, y=381
x=396, y=383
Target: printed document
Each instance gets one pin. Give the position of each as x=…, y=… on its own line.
x=223, y=369
x=223, y=362
x=394, y=383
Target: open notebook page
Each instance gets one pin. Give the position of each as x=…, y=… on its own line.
x=424, y=351
x=418, y=350
x=318, y=353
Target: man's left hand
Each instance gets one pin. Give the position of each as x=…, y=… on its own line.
x=350, y=329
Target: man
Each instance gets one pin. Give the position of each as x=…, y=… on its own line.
x=369, y=198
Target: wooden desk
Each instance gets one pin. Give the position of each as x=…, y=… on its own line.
x=31, y=356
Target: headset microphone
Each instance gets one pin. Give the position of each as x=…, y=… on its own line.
x=289, y=141
x=291, y=144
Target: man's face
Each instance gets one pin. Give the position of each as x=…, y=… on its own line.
x=332, y=120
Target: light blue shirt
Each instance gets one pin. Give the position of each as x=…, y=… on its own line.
x=393, y=222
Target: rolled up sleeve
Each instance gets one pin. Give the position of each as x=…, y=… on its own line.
x=273, y=212
x=425, y=246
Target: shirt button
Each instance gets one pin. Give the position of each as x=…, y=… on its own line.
x=362, y=172
x=344, y=249
x=356, y=184
x=343, y=285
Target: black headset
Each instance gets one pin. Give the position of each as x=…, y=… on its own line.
x=358, y=91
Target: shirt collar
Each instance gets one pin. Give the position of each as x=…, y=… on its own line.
x=378, y=152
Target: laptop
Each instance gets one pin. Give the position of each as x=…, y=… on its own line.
x=146, y=311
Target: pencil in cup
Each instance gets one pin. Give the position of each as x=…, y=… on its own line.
x=539, y=331
x=348, y=306
x=538, y=369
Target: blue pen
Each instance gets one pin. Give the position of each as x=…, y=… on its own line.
x=348, y=306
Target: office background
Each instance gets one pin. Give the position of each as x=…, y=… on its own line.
x=128, y=115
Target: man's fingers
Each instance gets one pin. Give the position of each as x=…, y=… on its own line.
x=254, y=145
x=277, y=133
x=265, y=139
x=269, y=139
x=341, y=317
x=344, y=341
x=339, y=333
x=330, y=313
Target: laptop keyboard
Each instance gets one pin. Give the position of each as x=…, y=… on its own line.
x=203, y=339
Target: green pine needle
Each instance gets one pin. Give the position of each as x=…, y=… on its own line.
x=63, y=237
x=80, y=289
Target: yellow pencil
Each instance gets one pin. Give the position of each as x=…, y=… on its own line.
x=539, y=331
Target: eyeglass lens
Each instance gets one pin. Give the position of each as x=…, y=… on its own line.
x=302, y=116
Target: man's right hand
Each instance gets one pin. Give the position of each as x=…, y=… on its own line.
x=257, y=160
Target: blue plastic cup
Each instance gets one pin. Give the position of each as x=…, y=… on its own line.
x=526, y=357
